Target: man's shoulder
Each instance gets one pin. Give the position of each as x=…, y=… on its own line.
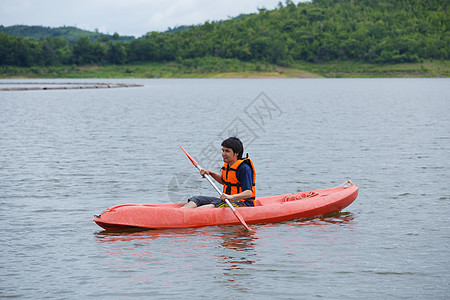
x=244, y=168
x=244, y=165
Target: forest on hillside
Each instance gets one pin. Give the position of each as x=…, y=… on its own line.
x=377, y=31
x=69, y=33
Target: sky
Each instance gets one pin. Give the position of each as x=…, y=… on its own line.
x=126, y=17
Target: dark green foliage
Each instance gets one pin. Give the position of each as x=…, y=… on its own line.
x=85, y=52
x=376, y=31
x=71, y=34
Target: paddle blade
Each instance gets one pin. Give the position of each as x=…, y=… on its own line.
x=238, y=215
x=241, y=219
x=190, y=157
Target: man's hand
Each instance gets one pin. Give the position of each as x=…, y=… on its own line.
x=226, y=196
x=217, y=177
x=205, y=171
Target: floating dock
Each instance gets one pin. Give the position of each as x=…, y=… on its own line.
x=64, y=86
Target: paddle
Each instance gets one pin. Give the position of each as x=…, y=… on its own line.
x=217, y=189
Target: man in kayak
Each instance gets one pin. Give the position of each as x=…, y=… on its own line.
x=238, y=178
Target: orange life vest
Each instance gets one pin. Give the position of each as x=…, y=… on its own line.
x=231, y=184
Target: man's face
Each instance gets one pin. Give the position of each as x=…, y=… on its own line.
x=228, y=155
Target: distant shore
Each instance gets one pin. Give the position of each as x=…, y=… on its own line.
x=205, y=69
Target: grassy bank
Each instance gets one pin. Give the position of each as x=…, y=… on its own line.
x=232, y=68
x=359, y=69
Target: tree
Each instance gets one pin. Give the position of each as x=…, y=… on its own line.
x=86, y=52
x=116, y=53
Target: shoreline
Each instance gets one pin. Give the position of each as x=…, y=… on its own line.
x=205, y=69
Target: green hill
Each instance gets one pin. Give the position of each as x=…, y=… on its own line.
x=382, y=31
x=71, y=34
x=366, y=31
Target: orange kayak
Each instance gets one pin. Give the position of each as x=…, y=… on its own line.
x=266, y=210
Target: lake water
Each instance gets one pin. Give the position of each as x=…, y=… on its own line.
x=66, y=155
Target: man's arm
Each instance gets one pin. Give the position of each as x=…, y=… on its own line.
x=243, y=195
